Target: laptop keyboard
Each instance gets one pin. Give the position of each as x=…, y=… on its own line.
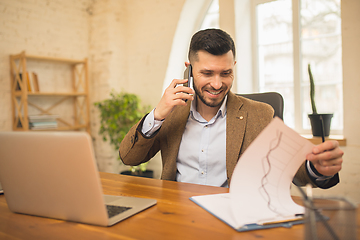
x=115, y=210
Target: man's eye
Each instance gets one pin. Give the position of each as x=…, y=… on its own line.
x=226, y=74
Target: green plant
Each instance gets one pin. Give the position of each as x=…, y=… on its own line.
x=312, y=90
x=117, y=115
x=320, y=123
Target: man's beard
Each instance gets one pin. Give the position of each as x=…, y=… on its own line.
x=208, y=103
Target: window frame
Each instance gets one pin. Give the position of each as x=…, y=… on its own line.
x=297, y=60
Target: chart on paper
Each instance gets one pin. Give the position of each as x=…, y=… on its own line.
x=282, y=149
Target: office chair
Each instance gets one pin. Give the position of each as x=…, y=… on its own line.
x=272, y=98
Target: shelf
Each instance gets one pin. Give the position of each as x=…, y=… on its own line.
x=318, y=140
x=22, y=99
x=44, y=58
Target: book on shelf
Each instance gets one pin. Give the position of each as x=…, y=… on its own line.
x=32, y=82
x=43, y=118
x=43, y=121
x=35, y=82
x=29, y=83
x=35, y=124
x=43, y=125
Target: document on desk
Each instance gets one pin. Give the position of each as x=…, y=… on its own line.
x=259, y=195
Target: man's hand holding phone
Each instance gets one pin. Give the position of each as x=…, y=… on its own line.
x=174, y=95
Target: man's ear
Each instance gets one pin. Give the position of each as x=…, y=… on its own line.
x=187, y=64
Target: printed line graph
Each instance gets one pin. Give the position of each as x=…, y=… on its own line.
x=282, y=150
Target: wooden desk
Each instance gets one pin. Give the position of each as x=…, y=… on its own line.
x=174, y=217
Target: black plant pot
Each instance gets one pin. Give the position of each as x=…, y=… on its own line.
x=316, y=124
x=146, y=174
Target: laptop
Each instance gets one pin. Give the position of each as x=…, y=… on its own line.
x=54, y=175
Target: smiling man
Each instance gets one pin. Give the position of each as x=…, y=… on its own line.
x=202, y=139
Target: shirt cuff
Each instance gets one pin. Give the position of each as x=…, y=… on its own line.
x=150, y=125
x=315, y=174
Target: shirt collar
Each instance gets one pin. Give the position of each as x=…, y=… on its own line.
x=221, y=112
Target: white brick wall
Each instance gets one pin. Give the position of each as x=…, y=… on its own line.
x=56, y=28
x=108, y=70
x=67, y=29
x=60, y=29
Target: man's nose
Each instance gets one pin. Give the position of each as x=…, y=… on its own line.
x=216, y=82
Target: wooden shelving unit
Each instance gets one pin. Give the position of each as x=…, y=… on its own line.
x=21, y=97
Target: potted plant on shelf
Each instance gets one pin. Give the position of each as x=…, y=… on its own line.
x=117, y=115
x=320, y=123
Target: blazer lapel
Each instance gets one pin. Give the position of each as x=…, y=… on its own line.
x=235, y=131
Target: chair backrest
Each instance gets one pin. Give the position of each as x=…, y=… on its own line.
x=272, y=98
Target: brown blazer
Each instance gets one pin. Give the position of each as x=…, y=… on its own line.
x=244, y=121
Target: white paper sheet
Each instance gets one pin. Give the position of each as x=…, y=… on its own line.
x=260, y=185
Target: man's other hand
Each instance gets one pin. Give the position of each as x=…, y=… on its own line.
x=326, y=158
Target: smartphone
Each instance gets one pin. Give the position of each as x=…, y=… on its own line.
x=188, y=75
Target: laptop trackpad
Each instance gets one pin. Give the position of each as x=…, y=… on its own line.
x=110, y=199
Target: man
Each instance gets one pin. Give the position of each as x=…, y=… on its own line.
x=202, y=136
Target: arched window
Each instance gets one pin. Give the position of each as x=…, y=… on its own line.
x=195, y=15
x=211, y=19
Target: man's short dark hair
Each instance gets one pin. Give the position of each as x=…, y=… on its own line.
x=214, y=41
